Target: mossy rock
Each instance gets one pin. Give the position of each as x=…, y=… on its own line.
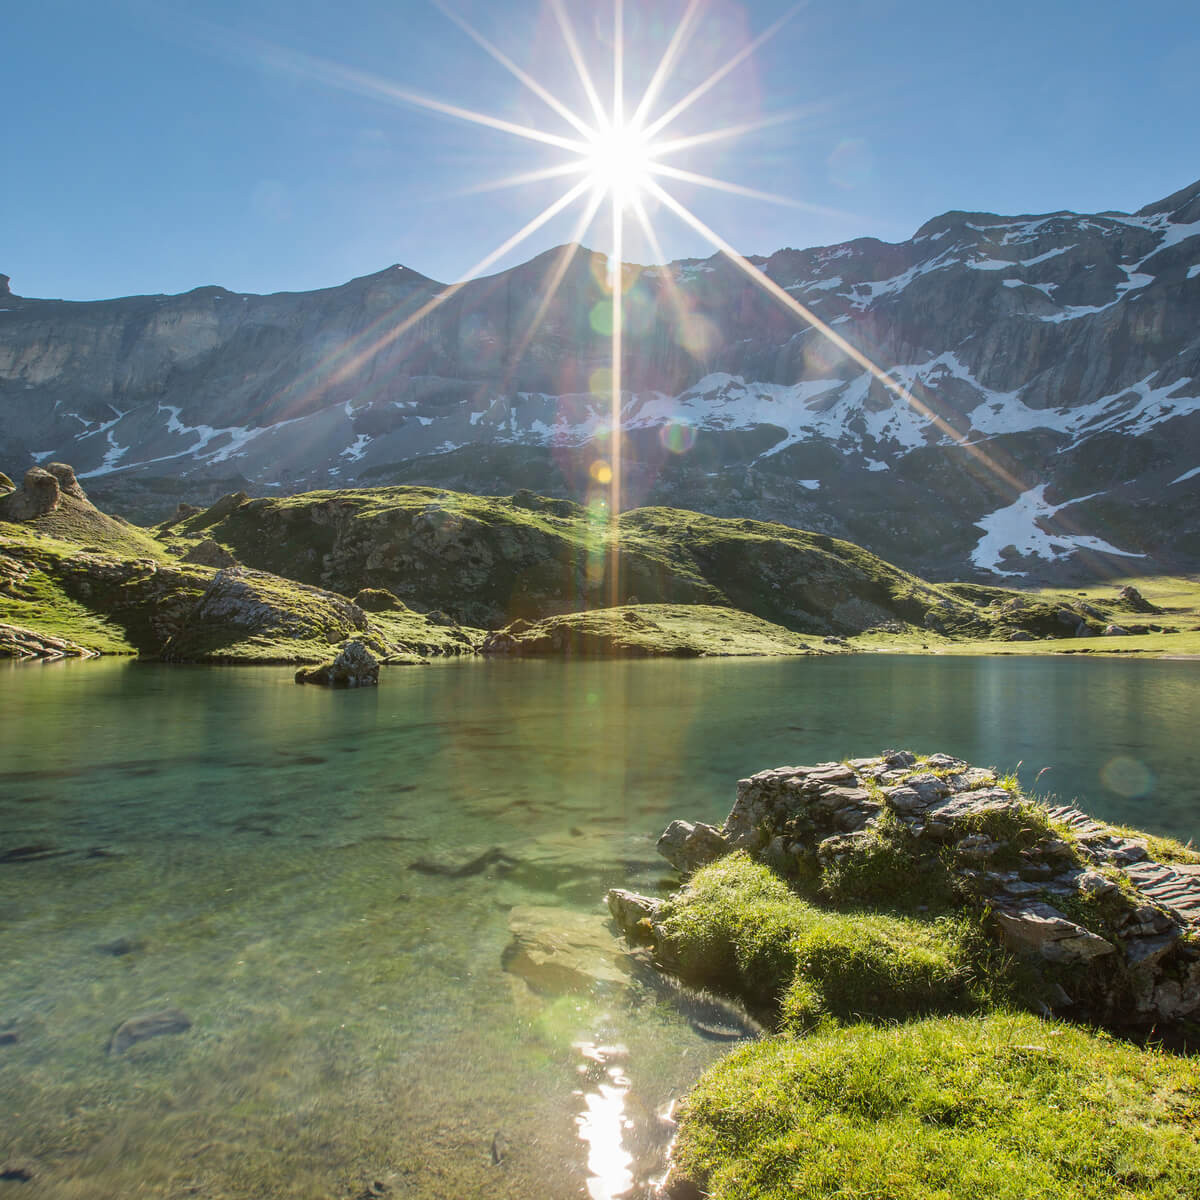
x=379, y=600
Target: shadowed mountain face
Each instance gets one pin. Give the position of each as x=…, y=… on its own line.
x=1060, y=355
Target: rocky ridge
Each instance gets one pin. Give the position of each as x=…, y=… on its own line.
x=1053, y=358
x=1113, y=933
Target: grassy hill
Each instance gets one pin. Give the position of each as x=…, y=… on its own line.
x=274, y=579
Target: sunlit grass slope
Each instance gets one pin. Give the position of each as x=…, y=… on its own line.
x=1008, y=1107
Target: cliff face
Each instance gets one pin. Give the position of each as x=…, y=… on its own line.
x=1062, y=350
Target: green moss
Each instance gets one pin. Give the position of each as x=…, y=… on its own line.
x=737, y=926
x=1008, y=1107
x=1161, y=849
x=888, y=868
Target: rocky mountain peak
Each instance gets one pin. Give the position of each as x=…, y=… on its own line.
x=1045, y=419
x=1182, y=207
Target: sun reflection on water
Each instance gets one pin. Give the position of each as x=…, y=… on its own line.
x=603, y=1124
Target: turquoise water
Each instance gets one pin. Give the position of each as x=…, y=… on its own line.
x=353, y=1020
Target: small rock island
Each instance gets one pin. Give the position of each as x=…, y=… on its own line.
x=970, y=989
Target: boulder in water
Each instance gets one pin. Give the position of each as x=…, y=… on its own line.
x=355, y=666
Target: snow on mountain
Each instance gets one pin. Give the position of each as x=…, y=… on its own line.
x=1055, y=353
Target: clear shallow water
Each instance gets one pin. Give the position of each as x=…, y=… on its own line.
x=352, y=1018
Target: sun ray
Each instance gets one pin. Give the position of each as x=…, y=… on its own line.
x=566, y=253
x=729, y=131
x=349, y=357
x=678, y=39
x=673, y=292
x=575, y=167
x=618, y=105
x=364, y=84
x=532, y=84
x=720, y=185
x=720, y=73
x=852, y=352
x=585, y=77
x=616, y=270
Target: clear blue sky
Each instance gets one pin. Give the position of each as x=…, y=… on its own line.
x=157, y=145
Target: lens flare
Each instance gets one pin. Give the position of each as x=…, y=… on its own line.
x=677, y=436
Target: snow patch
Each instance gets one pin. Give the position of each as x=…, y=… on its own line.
x=811, y=484
x=1186, y=475
x=1193, y=270
x=1040, y=258
x=1021, y=526
x=356, y=449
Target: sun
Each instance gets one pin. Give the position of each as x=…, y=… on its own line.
x=619, y=162
x=624, y=161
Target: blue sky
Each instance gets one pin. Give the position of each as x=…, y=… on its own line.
x=159, y=146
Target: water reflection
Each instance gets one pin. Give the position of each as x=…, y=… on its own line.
x=352, y=1017
x=603, y=1124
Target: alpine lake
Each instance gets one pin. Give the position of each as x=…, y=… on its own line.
x=338, y=890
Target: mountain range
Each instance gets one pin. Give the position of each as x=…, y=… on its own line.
x=1053, y=363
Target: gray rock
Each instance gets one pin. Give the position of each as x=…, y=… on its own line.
x=1145, y=951
x=688, y=846
x=354, y=667
x=148, y=1025
x=209, y=553
x=1038, y=929
x=634, y=914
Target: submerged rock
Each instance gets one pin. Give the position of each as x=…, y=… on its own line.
x=557, y=950
x=354, y=667
x=148, y=1025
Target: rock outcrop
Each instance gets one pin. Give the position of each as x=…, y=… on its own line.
x=1115, y=932
x=19, y=642
x=354, y=667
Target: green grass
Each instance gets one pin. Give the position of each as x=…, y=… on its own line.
x=738, y=927
x=488, y=560
x=32, y=597
x=1007, y=1107
x=657, y=629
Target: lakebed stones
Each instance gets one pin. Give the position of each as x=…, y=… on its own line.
x=1051, y=884
x=354, y=667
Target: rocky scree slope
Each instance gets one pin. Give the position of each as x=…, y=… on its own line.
x=1061, y=349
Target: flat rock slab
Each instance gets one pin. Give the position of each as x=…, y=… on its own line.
x=559, y=950
x=1176, y=890
x=148, y=1025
